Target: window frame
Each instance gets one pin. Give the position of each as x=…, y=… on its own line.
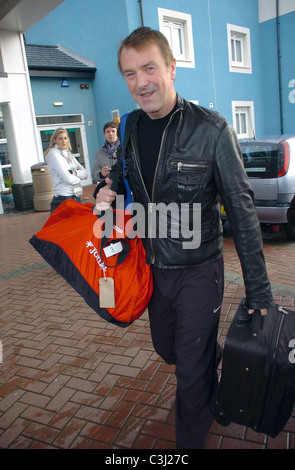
x=72, y=123
x=182, y=22
x=6, y=166
x=242, y=36
x=246, y=108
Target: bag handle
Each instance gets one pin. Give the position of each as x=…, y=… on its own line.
x=243, y=317
x=125, y=136
x=256, y=322
x=121, y=256
x=106, y=241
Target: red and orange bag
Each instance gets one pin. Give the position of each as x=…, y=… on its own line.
x=72, y=241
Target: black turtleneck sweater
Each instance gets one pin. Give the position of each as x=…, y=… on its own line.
x=150, y=133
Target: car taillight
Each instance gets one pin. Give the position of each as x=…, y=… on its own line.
x=284, y=158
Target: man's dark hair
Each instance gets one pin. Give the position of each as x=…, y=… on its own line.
x=110, y=124
x=143, y=37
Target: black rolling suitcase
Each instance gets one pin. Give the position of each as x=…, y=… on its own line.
x=257, y=385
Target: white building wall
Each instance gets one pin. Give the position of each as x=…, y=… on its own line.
x=267, y=8
x=23, y=142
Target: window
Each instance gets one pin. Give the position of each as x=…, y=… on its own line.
x=243, y=118
x=115, y=115
x=5, y=165
x=1, y=64
x=59, y=119
x=239, y=49
x=174, y=33
x=241, y=121
x=177, y=27
x=74, y=123
x=261, y=160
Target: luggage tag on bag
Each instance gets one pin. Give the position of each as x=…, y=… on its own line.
x=106, y=292
x=113, y=249
x=106, y=284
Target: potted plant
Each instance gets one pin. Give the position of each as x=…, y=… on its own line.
x=7, y=182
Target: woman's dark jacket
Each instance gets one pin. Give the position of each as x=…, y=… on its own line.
x=199, y=162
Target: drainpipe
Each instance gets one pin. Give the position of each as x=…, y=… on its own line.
x=279, y=64
x=141, y=12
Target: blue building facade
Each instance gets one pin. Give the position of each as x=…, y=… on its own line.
x=233, y=56
x=278, y=72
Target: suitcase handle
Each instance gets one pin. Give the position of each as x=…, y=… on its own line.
x=257, y=322
x=243, y=317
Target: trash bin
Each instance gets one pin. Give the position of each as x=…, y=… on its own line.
x=23, y=194
x=42, y=184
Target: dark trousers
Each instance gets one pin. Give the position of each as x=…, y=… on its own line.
x=57, y=200
x=184, y=315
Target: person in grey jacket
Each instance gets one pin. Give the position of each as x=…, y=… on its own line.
x=106, y=157
x=183, y=156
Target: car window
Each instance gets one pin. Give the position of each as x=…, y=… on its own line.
x=260, y=161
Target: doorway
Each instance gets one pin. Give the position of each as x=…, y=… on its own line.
x=74, y=124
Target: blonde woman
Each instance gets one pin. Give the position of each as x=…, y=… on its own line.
x=66, y=171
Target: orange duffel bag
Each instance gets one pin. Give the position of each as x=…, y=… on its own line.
x=103, y=259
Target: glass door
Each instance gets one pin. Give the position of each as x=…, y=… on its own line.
x=5, y=165
x=77, y=135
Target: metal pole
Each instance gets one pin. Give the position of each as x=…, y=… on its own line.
x=141, y=12
x=279, y=65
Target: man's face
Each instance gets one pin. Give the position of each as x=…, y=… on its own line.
x=110, y=134
x=150, y=81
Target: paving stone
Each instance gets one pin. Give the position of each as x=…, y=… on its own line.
x=70, y=380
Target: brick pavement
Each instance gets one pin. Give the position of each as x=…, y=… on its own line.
x=69, y=380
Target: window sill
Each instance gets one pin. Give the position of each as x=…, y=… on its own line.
x=240, y=69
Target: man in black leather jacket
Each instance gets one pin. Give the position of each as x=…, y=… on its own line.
x=189, y=156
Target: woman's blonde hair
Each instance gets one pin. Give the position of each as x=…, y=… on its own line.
x=54, y=136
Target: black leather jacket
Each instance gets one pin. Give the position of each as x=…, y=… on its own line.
x=291, y=213
x=200, y=162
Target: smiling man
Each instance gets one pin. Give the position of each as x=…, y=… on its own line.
x=150, y=79
x=184, y=154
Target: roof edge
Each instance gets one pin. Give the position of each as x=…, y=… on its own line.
x=76, y=56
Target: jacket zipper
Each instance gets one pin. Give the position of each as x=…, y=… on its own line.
x=160, y=151
x=181, y=165
x=150, y=206
x=153, y=187
x=138, y=169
